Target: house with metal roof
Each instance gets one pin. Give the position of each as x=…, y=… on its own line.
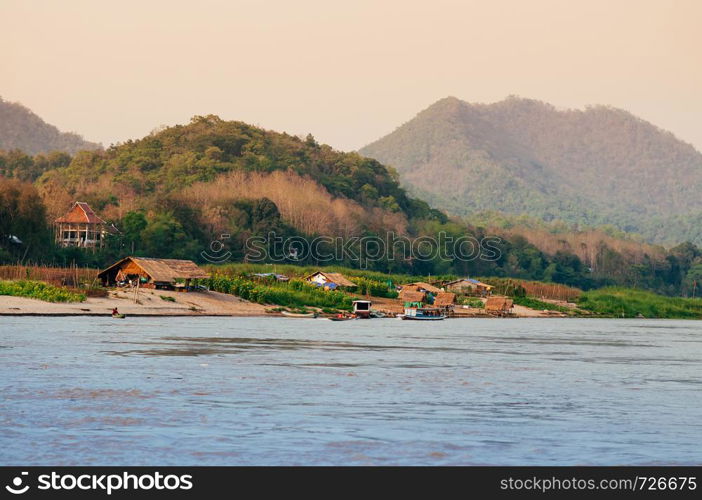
x=329, y=280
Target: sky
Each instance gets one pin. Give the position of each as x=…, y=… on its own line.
x=348, y=71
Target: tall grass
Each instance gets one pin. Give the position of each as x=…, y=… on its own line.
x=73, y=276
x=630, y=303
x=39, y=290
x=538, y=289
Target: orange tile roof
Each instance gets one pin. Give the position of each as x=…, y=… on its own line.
x=81, y=213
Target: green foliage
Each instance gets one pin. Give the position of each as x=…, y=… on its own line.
x=167, y=298
x=631, y=303
x=472, y=302
x=165, y=235
x=540, y=305
x=22, y=214
x=374, y=288
x=178, y=156
x=295, y=293
x=39, y=290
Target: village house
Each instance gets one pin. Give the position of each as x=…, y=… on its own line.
x=445, y=299
x=499, y=306
x=423, y=287
x=152, y=273
x=467, y=286
x=81, y=227
x=418, y=292
x=330, y=281
x=412, y=295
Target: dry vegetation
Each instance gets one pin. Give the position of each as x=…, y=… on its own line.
x=589, y=245
x=302, y=202
x=73, y=276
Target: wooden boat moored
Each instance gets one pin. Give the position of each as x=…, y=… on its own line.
x=415, y=311
x=299, y=315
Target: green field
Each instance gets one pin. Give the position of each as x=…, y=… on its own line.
x=39, y=290
x=631, y=303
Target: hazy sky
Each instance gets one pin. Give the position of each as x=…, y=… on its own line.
x=347, y=71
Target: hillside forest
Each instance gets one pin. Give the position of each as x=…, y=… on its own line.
x=177, y=190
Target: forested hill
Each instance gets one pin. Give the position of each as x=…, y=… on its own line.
x=520, y=156
x=174, y=192
x=21, y=129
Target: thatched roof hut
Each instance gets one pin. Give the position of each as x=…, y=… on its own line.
x=152, y=272
x=420, y=285
x=499, y=305
x=445, y=299
x=412, y=295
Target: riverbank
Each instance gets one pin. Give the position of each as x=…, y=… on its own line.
x=148, y=303
x=168, y=303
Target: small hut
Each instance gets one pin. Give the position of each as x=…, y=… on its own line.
x=152, y=273
x=445, y=299
x=469, y=287
x=330, y=281
x=500, y=306
x=422, y=286
x=411, y=295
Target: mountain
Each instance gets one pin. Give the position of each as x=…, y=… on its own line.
x=213, y=187
x=22, y=129
x=596, y=166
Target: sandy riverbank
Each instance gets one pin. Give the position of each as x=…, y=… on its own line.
x=149, y=303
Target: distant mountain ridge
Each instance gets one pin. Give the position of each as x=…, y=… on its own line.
x=596, y=166
x=21, y=129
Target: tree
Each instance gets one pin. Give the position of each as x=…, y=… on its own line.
x=132, y=225
x=23, y=218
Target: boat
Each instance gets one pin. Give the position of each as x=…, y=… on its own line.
x=119, y=316
x=415, y=311
x=336, y=318
x=299, y=315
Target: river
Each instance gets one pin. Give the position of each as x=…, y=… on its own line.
x=268, y=391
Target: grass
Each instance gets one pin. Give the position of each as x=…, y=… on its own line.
x=630, y=303
x=39, y=290
x=540, y=305
x=167, y=298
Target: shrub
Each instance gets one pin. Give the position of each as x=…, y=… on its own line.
x=295, y=293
